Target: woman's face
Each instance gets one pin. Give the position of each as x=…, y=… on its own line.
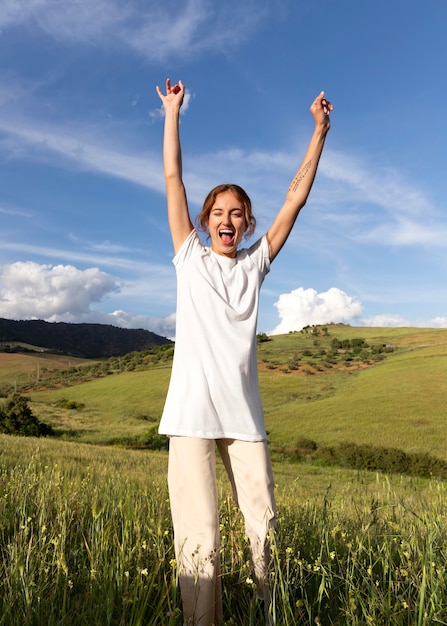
x=226, y=224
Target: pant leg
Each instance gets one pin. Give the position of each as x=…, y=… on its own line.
x=250, y=472
x=194, y=507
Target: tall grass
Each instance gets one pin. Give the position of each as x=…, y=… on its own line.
x=85, y=538
x=84, y=541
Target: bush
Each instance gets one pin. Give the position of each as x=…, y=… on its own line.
x=390, y=460
x=369, y=458
x=262, y=337
x=16, y=418
x=72, y=405
x=154, y=441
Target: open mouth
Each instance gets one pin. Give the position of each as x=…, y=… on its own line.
x=227, y=236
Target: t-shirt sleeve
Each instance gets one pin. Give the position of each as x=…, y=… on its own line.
x=190, y=247
x=260, y=254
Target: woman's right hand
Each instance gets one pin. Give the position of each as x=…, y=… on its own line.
x=174, y=94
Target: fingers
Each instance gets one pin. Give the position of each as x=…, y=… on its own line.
x=173, y=88
x=321, y=102
x=177, y=88
x=170, y=89
x=324, y=102
x=327, y=106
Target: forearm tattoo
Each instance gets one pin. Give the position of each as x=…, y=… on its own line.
x=300, y=175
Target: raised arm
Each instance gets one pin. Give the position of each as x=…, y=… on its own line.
x=302, y=182
x=178, y=214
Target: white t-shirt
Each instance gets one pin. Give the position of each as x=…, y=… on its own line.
x=214, y=391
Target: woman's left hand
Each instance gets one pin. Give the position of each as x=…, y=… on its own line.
x=321, y=109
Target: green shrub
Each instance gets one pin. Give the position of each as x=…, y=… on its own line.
x=16, y=418
x=389, y=460
x=154, y=441
x=262, y=337
x=72, y=405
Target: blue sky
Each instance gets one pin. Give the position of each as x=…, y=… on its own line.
x=83, y=234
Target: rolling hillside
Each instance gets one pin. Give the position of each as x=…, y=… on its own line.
x=77, y=340
x=392, y=393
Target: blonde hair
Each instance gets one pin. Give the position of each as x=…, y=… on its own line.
x=203, y=217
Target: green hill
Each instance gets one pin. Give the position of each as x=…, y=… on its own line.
x=399, y=402
x=387, y=388
x=77, y=340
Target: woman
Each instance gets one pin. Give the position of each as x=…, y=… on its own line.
x=213, y=399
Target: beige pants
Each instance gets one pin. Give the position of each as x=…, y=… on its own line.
x=194, y=506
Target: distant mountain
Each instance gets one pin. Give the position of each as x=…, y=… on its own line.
x=81, y=340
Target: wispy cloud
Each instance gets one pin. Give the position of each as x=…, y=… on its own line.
x=381, y=186
x=373, y=205
x=34, y=140
x=164, y=326
x=125, y=263
x=380, y=206
x=390, y=320
x=421, y=231
x=152, y=29
x=15, y=211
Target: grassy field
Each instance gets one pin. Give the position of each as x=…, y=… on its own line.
x=86, y=538
x=85, y=531
x=17, y=368
x=397, y=401
x=115, y=408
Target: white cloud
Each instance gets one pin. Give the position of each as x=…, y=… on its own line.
x=386, y=320
x=438, y=322
x=398, y=321
x=152, y=29
x=54, y=293
x=164, y=326
x=63, y=293
x=306, y=307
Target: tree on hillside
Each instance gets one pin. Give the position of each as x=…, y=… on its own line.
x=16, y=418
